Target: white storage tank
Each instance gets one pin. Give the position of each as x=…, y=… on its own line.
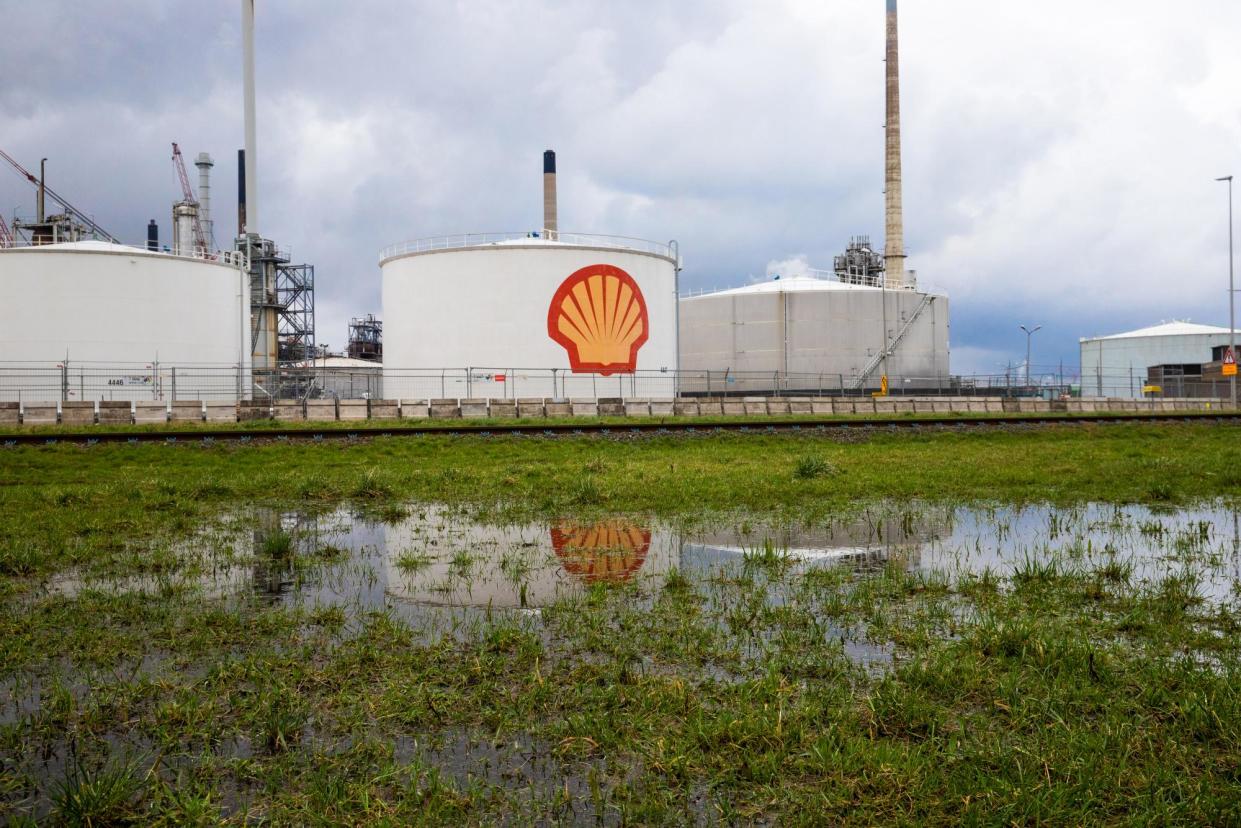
x=806, y=334
x=519, y=315
x=1116, y=365
x=119, y=318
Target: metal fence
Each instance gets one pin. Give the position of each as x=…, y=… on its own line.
x=70, y=380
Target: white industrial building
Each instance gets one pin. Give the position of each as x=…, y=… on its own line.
x=93, y=320
x=1116, y=365
x=519, y=315
x=805, y=333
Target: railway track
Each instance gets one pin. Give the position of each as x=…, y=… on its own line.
x=638, y=427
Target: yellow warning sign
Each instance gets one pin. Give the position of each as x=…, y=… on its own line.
x=1230, y=363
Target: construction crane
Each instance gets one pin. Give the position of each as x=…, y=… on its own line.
x=6, y=238
x=200, y=238
x=70, y=210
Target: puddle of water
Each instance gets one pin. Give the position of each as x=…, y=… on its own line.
x=435, y=557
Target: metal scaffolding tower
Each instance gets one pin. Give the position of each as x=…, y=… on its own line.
x=295, y=294
x=366, y=338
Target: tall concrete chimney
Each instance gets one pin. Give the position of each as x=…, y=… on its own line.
x=894, y=224
x=550, y=230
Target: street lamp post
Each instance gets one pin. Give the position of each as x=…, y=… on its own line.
x=1232, y=317
x=1029, y=333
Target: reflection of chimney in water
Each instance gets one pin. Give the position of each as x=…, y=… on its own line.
x=550, y=229
x=894, y=237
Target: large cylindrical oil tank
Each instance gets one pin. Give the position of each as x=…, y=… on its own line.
x=114, y=314
x=513, y=316
x=805, y=334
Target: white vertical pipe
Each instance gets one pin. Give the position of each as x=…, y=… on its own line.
x=252, y=158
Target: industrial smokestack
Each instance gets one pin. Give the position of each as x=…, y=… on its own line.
x=894, y=236
x=153, y=236
x=550, y=230
x=241, y=192
x=204, y=164
x=251, y=224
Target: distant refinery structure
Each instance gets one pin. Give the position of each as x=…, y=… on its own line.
x=543, y=313
x=151, y=316
x=847, y=330
x=366, y=338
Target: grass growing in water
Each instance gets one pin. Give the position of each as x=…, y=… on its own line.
x=1062, y=693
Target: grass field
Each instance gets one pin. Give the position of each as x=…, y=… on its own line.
x=1063, y=689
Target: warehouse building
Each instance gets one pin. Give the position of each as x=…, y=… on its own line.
x=1117, y=365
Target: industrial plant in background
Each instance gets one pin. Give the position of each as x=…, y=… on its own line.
x=366, y=338
x=852, y=328
x=541, y=313
x=156, y=311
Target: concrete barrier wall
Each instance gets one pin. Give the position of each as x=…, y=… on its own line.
x=325, y=410
x=145, y=413
x=474, y=408
x=187, y=411
x=586, y=407
x=384, y=409
x=352, y=409
x=40, y=415
x=77, y=413
x=220, y=412
x=415, y=409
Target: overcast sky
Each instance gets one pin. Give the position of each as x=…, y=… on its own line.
x=1059, y=156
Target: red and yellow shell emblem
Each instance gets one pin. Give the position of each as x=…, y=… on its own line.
x=611, y=550
x=599, y=316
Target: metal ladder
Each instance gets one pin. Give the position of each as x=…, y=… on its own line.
x=860, y=380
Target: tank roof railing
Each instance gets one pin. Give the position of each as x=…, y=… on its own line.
x=232, y=258
x=666, y=249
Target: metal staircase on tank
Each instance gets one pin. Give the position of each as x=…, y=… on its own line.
x=859, y=382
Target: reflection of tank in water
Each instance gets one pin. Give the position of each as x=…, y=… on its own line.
x=463, y=563
x=868, y=542
x=610, y=550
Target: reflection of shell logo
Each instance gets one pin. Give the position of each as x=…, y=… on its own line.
x=608, y=551
x=599, y=316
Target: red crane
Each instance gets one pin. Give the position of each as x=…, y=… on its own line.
x=6, y=238
x=200, y=238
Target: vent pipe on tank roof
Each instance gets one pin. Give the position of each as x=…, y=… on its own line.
x=550, y=229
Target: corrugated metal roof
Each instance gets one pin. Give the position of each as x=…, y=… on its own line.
x=1174, y=328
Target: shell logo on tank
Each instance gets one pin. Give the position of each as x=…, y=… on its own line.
x=599, y=316
x=611, y=550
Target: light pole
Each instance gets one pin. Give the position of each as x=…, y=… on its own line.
x=1029, y=333
x=1232, y=317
